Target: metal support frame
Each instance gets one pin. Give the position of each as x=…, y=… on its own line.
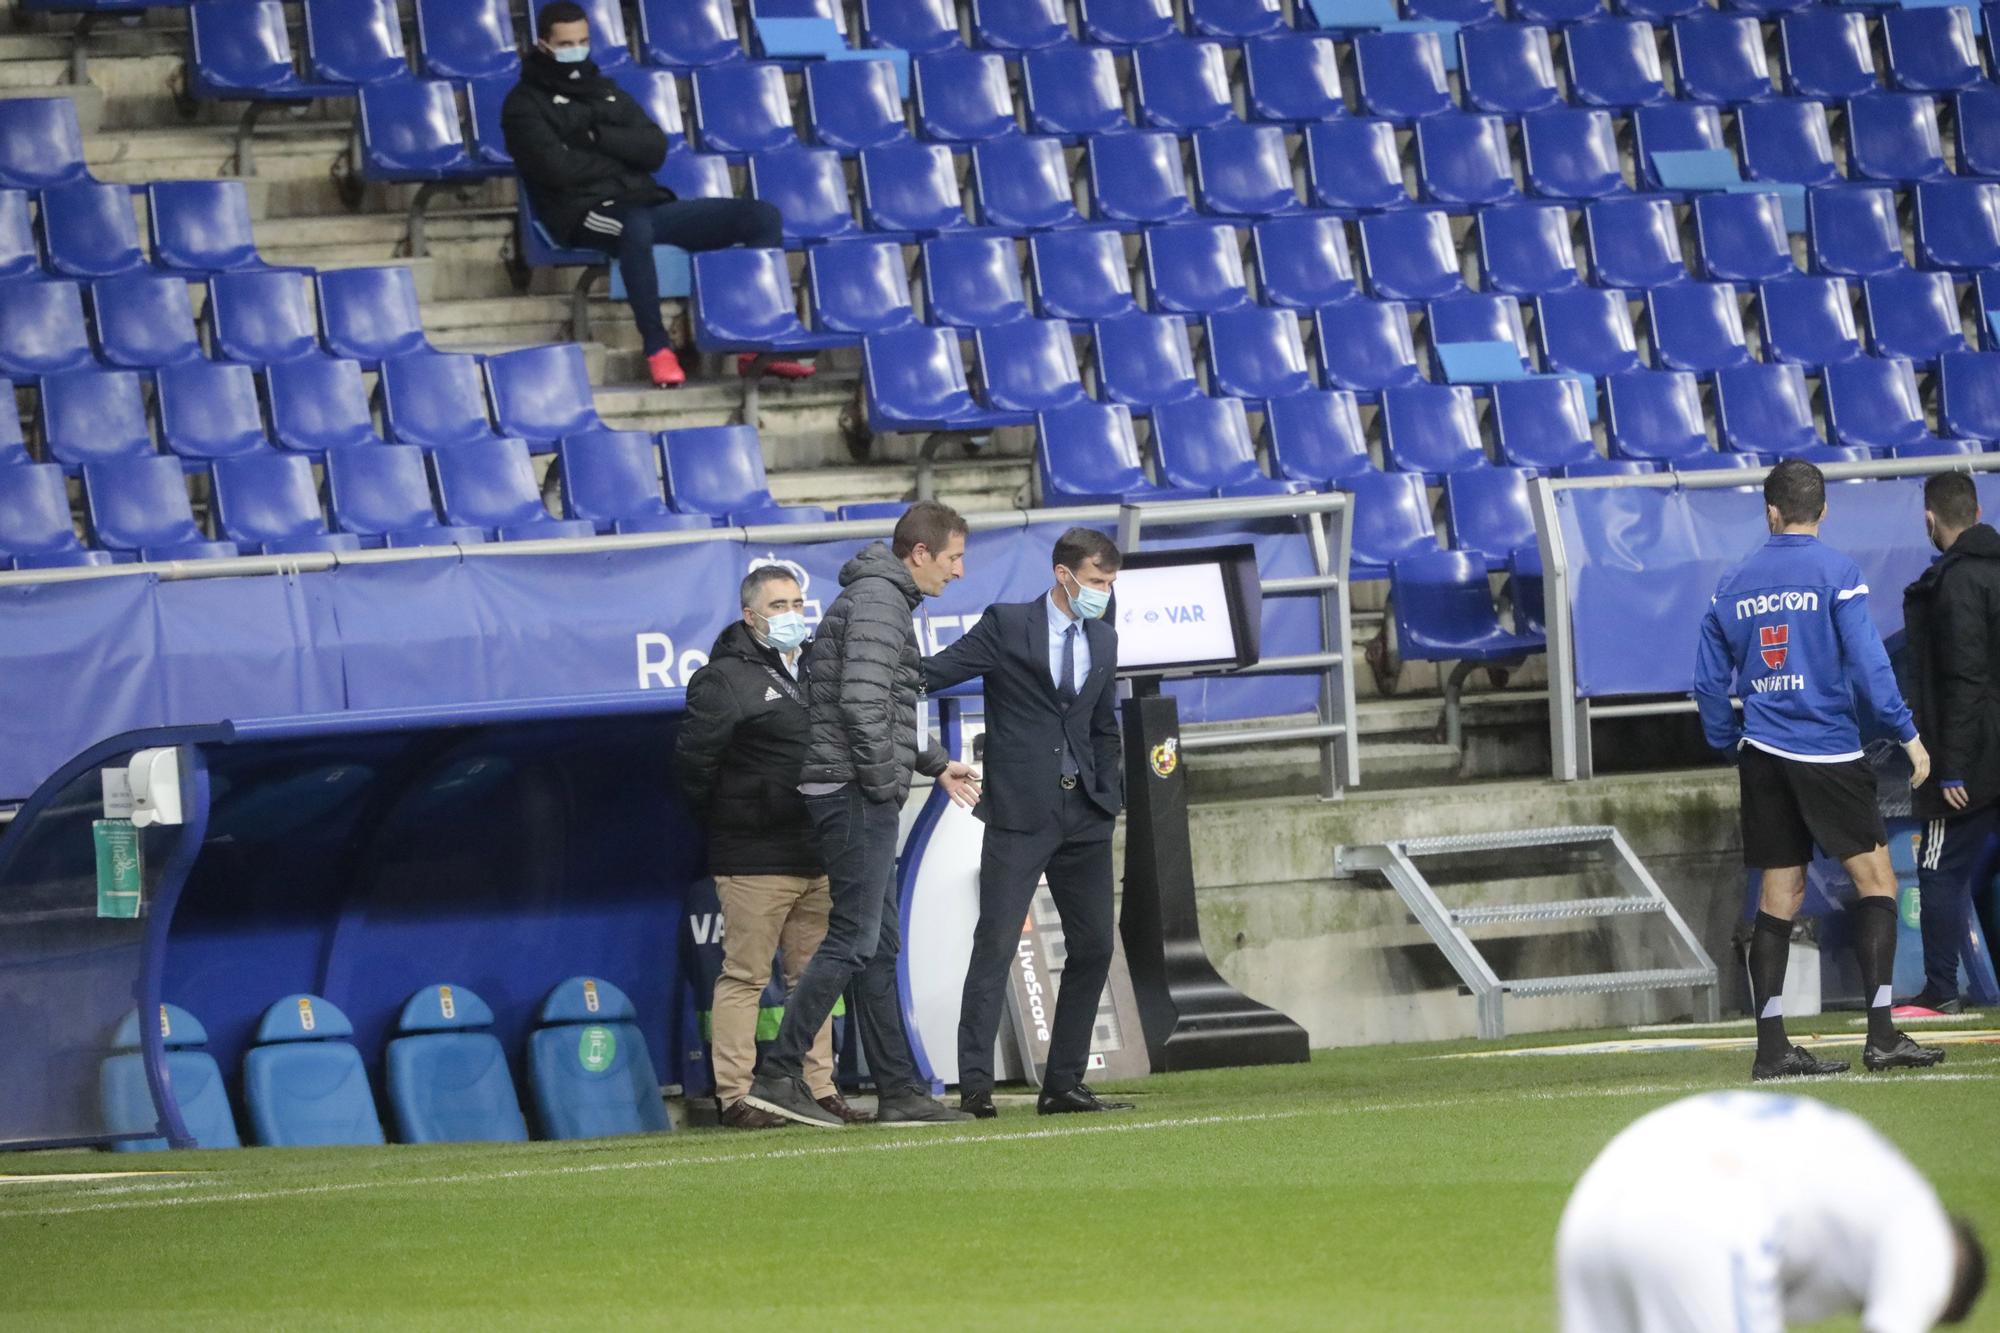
x=245, y=158
x=79, y=54
x=579, y=304
x=416, y=241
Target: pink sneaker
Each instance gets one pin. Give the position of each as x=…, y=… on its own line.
x=665, y=368
x=784, y=370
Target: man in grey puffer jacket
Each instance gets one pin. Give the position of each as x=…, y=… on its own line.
x=863, y=674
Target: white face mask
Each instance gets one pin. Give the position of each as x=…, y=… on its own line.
x=784, y=631
x=1089, y=603
x=568, y=55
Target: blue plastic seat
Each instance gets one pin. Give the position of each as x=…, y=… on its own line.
x=1932, y=50
x=303, y=1082
x=1808, y=321
x=1022, y=184
x=1768, y=9
x=410, y=131
x=1697, y=326
x=1072, y=92
x=1661, y=12
x=139, y=507
x=1292, y=79
x=201, y=227
x=1028, y=365
x=696, y=175
x=370, y=314
x=210, y=410
x=1181, y=85
x=435, y=399
x=1390, y=520
x=1401, y=75
x=1353, y=166
x=319, y=404
x=1743, y=238
x=1507, y=69
x=743, y=302
x=126, y=1099
x=447, y=1075
x=1872, y=403
x=1555, y=13
x=1525, y=249
x=1366, y=347
x=1019, y=25
x=382, y=495
x=1087, y=454
x=1244, y=171
x=268, y=504
x=1543, y=424
x=612, y=479
x=490, y=485
x=1976, y=121
x=588, y=1067
x=1234, y=19
x=242, y=50
x=1720, y=58
x=1430, y=429
x=1614, y=63
x=1193, y=269
x=1463, y=162
x=1827, y=54
x=1765, y=410
x=656, y=91
x=808, y=187
x=1464, y=13
x=718, y=471
x=1144, y=361
x=90, y=231
x=1137, y=179
x=20, y=252
x=1256, y=353
x=1410, y=255
x=41, y=144
x=1302, y=262
x=354, y=41
x=1655, y=415
x=1570, y=153
x=144, y=321
x=1126, y=23
x=35, y=527
x=1672, y=127
x=1969, y=395
x=1444, y=612
x=914, y=380
x=1477, y=317
x=1958, y=224
x=1489, y=513
x=1315, y=437
x=972, y=282
x=917, y=26
x=963, y=97
x=911, y=188
x=1851, y=231
x=1587, y=331
x=93, y=416
x=1912, y=314
x=854, y=104
x=1985, y=296
x=1786, y=139
x=1204, y=444
x=541, y=394
x=1894, y=137
x=261, y=317
x=1080, y=276
x=1634, y=243
x=686, y=34
x=473, y=39
x=859, y=287
x=742, y=108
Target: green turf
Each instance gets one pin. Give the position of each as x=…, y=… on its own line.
x=1373, y=1189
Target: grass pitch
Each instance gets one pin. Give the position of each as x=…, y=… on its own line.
x=1382, y=1188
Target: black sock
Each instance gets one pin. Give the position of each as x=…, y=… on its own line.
x=1875, y=948
x=1770, y=950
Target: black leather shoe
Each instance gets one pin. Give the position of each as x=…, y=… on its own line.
x=1078, y=1098
x=1905, y=1054
x=978, y=1105
x=1798, y=1062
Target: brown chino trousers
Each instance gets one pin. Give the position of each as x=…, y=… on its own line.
x=762, y=914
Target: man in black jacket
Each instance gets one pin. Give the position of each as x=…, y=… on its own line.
x=863, y=677
x=1951, y=617
x=742, y=741
x=587, y=154
x=1054, y=784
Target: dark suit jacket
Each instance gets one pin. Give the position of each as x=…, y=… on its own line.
x=1026, y=722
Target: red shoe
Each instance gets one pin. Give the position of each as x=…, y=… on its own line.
x=665, y=369
x=784, y=370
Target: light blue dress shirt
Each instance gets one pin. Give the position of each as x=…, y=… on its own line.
x=1059, y=622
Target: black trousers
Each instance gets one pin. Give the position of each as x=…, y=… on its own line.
x=628, y=233
x=1074, y=851
x=1945, y=859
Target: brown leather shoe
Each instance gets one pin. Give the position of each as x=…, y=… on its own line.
x=835, y=1104
x=740, y=1114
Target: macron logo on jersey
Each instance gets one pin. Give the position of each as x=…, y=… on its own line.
x=1764, y=603
x=1773, y=640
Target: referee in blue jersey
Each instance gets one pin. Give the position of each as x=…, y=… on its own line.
x=1788, y=632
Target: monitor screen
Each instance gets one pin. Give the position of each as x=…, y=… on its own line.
x=1187, y=609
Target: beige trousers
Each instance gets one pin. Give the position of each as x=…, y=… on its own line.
x=762, y=914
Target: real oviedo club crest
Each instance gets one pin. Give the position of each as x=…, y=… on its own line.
x=1772, y=641
x=1166, y=757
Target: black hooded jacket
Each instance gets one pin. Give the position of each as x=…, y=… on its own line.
x=578, y=139
x=1951, y=619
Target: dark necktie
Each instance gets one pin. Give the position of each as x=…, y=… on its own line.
x=1066, y=686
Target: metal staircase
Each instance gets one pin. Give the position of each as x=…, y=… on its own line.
x=1638, y=895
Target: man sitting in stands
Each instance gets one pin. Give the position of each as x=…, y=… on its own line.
x=587, y=153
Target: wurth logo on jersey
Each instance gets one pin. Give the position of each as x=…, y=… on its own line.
x=1772, y=641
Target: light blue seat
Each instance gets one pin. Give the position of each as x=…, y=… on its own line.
x=127, y=1102
x=448, y=1079
x=588, y=1069
x=303, y=1082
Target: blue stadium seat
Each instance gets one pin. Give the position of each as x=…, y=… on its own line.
x=1658, y=11
x=1976, y=122
x=268, y=504
x=1256, y=353
x=612, y=479
x=1932, y=50
x=1672, y=127
x=809, y=188
x=1543, y=424
x=1401, y=75
x=1655, y=415
x=1698, y=327
x=1292, y=79
x=854, y=104
x=914, y=380
x=1525, y=249
x=1193, y=269
x=1244, y=171
x=446, y=1074
x=1555, y=13
x=1477, y=317
x=1430, y=429
x=260, y=318
x=1743, y=238
x=318, y=404
x=1465, y=13
x=242, y=50
x=435, y=399
x=1028, y=366
x=383, y=496
x=1912, y=314
x=486, y=99
x=1410, y=256
x=209, y=410
x=354, y=41
x=303, y=1082
x=911, y=188
x=1635, y=243
x=1019, y=25
x=411, y=132
x=1302, y=262
x=1985, y=296
x=1969, y=395
x=917, y=26
x=1444, y=613
x=1719, y=58
x=743, y=302
x=1233, y=19
x=1614, y=63
x=1080, y=276
x=1489, y=513
x=719, y=471
x=90, y=231
x=1181, y=85
x=1462, y=161
x=742, y=108
x=1768, y=9
x=1353, y=166
x=658, y=94
x=1894, y=137
x=201, y=227
x=1507, y=68
x=1958, y=224
x=370, y=314
x=144, y=321
x=588, y=1067
x=963, y=97
x=1765, y=410
x=139, y=507
x=35, y=527
x=1366, y=347
x=686, y=34
x=869, y=510
x=1587, y=331
x=41, y=145
x=696, y=175
x=1126, y=23
x=1086, y=454
x=93, y=416
x=859, y=287
x=1851, y=231
x=1827, y=54
x=1137, y=180
x=1022, y=184
x=20, y=252
x=13, y=444
x=1390, y=520
x=1570, y=153
x=490, y=485
x=1808, y=321
x=1144, y=361
x=1316, y=437
x=473, y=39
x=1204, y=444
x=1786, y=139
x=541, y=394
x=1072, y=92
x=126, y=1099
x=1872, y=403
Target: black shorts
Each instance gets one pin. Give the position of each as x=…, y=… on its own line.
x=1788, y=805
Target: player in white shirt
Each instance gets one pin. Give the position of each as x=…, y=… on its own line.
x=1698, y=1218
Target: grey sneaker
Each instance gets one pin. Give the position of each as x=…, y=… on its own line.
x=790, y=1098
x=913, y=1106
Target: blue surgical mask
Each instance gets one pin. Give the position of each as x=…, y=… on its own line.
x=1089, y=603
x=785, y=631
x=570, y=55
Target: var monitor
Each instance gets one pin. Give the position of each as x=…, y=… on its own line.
x=1193, y=609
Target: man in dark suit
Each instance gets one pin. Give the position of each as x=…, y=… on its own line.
x=1053, y=786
